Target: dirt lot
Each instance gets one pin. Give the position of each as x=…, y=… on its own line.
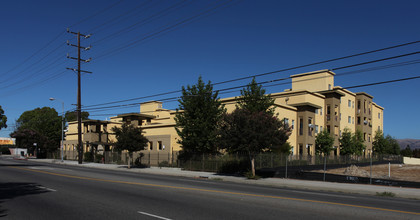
x=398, y=172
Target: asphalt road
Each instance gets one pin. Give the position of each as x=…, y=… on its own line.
x=30, y=190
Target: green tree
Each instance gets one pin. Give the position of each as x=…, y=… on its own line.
x=72, y=116
x=358, y=143
x=380, y=145
x=346, y=142
x=3, y=119
x=197, y=120
x=393, y=146
x=324, y=142
x=284, y=148
x=407, y=152
x=129, y=138
x=254, y=99
x=45, y=122
x=252, y=133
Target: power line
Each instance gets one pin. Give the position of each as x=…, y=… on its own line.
x=221, y=90
x=127, y=46
x=292, y=68
x=34, y=54
x=288, y=94
x=115, y=21
x=96, y=14
x=130, y=28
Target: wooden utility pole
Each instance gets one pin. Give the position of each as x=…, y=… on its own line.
x=79, y=94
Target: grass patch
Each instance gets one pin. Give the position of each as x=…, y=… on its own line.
x=386, y=194
x=249, y=176
x=217, y=179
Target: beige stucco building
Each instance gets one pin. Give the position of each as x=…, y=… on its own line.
x=312, y=104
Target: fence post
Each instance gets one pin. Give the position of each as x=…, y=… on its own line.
x=202, y=163
x=370, y=179
x=272, y=165
x=325, y=165
x=286, y=166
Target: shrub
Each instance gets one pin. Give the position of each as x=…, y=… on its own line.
x=249, y=175
x=235, y=166
x=4, y=150
x=88, y=157
x=386, y=194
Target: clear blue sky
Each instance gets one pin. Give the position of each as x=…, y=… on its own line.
x=245, y=38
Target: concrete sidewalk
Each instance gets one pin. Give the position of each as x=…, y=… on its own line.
x=411, y=193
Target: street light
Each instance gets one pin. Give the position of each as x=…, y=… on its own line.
x=62, y=128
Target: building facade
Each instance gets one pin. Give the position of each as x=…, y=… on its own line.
x=313, y=104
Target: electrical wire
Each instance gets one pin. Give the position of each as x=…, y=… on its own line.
x=162, y=29
x=256, y=75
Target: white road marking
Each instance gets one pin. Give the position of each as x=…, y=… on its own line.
x=151, y=215
x=45, y=188
x=41, y=168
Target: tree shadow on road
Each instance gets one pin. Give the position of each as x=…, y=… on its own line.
x=12, y=190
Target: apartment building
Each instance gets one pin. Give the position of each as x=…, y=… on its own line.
x=313, y=104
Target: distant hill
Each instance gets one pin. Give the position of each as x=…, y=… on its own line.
x=414, y=143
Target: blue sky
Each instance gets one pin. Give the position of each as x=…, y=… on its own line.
x=236, y=39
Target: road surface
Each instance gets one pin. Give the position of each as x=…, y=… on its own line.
x=31, y=190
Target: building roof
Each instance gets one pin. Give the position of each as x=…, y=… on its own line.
x=91, y=121
x=137, y=115
x=151, y=102
x=365, y=94
x=312, y=73
x=333, y=91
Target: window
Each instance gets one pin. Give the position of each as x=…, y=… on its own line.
x=320, y=111
x=349, y=103
x=286, y=121
x=160, y=145
x=364, y=106
x=379, y=115
x=336, y=131
x=358, y=120
x=329, y=86
x=328, y=110
x=364, y=136
x=316, y=129
x=349, y=119
x=369, y=137
x=151, y=145
x=352, y=104
x=329, y=129
x=300, y=149
x=320, y=127
x=358, y=104
x=293, y=124
x=310, y=126
x=352, y=120
x=300, y=126
x=316, y=111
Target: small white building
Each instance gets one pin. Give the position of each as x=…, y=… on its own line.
x=18, y=152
